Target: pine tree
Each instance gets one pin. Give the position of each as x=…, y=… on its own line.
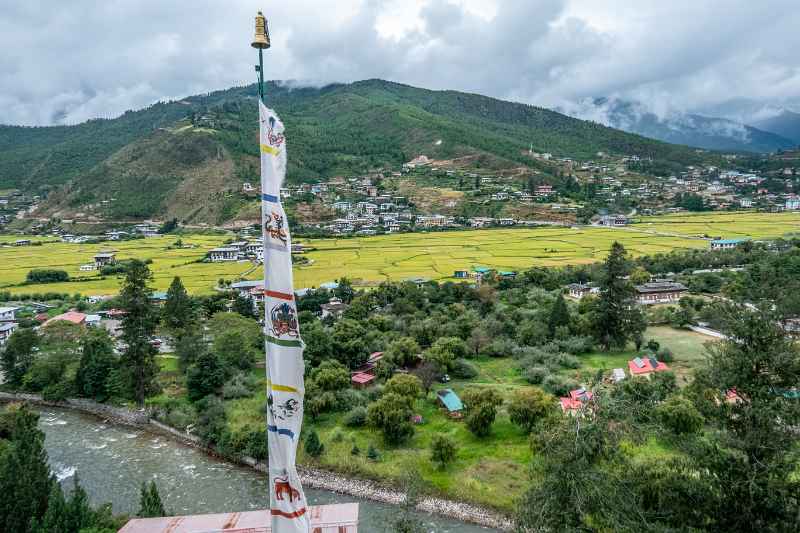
x=178, y=311
x=615, y=320
x=79, y=513
x=25, y=479
x=559, y=315
x=244, y=306
x=205, y=377
x=55, y=519
x=150, y=501
x=138, y=326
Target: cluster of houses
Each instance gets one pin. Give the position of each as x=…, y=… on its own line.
x=244, y=250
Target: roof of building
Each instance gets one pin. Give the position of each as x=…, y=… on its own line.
x=4, y=310
x=158, y=295
x=728, y=241
x=93, y=318
x=645, y=365
x=70, y=316
x=482, y=270
x=337, y=518
x=7, y=326
x=105, y=254
x=247, y=284
x=661, y=286
x=450, y=400
x=329, y=285
x=361, y=378
x=224, y=249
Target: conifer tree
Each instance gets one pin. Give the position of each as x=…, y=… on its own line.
x=150, y=501
x=559, y=315
x=55, y=519
x=178, y=311
x=313, y=445
x=138, y=325
x=616, y=317
x=25, y=479
x=96, y=365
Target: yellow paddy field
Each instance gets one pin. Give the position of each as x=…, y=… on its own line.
x=370, y=260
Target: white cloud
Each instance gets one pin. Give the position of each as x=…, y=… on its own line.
x=66, y=62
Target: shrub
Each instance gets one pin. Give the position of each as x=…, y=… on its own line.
x=443, y=450
x=500, y=348
x=576, y=345
x=463, y=370
x=535, y=375
x=481, y=409
x=680, y=416
x=559, y=385
x=665, y=355
x=356, y=417
x=239, y=386
x=355, y=450
x=392, y=415
x=46, y=276
x=372, y=453
x=347, y=399
x=529, y=406
x=565, y=360
x=313, y=446
x=405, y=385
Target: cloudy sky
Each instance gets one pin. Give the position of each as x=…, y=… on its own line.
x=65, y=62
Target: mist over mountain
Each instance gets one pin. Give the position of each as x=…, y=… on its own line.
x=713, y=133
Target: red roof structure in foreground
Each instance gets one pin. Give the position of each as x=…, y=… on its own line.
x=575, y=400
x=361, y=379
x=338, y=518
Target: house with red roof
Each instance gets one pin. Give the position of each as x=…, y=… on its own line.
x=70, y=316
x=644, y=366
x=574, y=403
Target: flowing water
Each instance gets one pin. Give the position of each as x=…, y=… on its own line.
x=112, y=461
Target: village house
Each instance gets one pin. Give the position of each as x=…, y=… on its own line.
x=574, y=403
x=725, y=244
x=8, y=314
x=432, y=221
x=660, y=291
x=793, y=203
x=334, y=308
x=223, y=254
x=543, y=191
x=6, y=329
x=104, y=258
x=579, y=290
x=645, y=366
x=74, y=317
x=461, y=274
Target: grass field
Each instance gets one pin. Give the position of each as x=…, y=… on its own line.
x=371, y=260
x=490, y=471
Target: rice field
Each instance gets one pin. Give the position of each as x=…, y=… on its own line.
x=371, y=260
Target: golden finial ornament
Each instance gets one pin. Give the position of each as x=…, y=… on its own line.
x=261, y=38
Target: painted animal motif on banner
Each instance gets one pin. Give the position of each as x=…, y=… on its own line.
x=283, y=320
x=274, y=139
x=283, y=488
x=275, y=229
x=283, y=410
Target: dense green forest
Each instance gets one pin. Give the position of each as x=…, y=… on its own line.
x=336, y=129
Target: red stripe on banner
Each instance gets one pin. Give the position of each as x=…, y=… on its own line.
x=281, y=295
x=278, y=512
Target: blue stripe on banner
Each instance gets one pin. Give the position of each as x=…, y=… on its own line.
x=281, y=431
x=269, y=198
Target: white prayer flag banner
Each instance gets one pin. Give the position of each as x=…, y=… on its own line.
x=284, y=348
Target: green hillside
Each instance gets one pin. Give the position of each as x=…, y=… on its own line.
x=138, y=164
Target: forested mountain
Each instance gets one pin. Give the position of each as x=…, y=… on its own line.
x=786, y=124
x=687, y=128
x=143, y=162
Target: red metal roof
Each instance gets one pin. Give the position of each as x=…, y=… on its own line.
x=338, y=518
x=70, y=316
x=646, y=367
x=361, y=378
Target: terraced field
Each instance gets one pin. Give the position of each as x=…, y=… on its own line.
x=370, y=260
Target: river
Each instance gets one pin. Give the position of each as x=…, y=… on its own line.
x=112, y=461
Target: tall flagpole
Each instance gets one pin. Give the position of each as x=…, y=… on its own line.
x=282, y=343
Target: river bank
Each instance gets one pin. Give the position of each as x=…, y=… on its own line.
x=312, y=478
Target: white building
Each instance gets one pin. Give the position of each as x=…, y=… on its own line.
x=6, y=329
x=8, y=314
x=223, y=254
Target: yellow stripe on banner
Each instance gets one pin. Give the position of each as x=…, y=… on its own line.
x=281, y=388
x=269, y=149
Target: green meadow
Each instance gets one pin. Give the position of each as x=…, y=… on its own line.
x=371, y=260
